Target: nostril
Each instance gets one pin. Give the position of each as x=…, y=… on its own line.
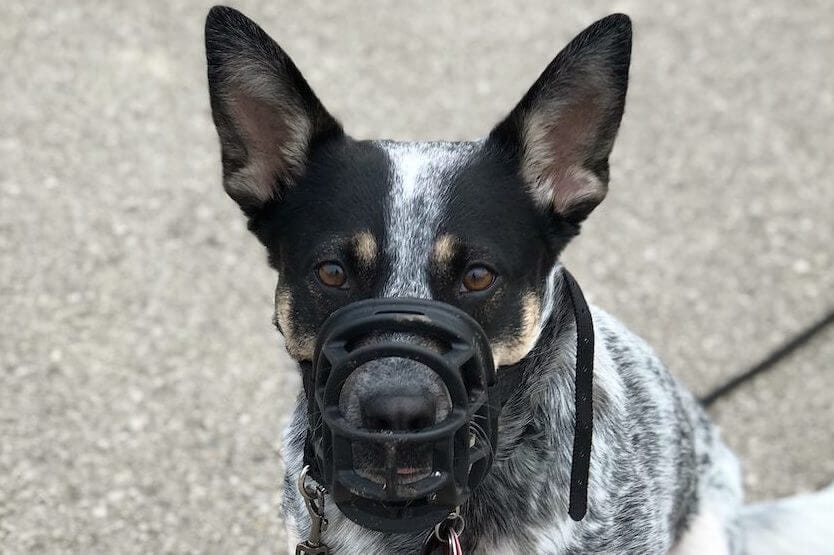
x=398, y=412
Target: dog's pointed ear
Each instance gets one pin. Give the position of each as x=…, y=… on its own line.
x=563, y=129
x=266, y=114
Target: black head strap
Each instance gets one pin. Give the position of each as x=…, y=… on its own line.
x=510, y=378
x=583, y=403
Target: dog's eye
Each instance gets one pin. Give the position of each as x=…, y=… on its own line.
x=332, y=274
x=477, y=278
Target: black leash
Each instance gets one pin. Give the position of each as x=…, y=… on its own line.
x=770, y=360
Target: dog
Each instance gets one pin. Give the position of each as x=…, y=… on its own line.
x=480, y=226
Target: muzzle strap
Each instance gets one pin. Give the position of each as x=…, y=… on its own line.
x=583, y=403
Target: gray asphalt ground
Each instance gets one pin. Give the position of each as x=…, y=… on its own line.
x=142, y=387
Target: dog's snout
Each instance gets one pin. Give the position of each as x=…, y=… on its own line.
x=394, y=394
x=401, y=413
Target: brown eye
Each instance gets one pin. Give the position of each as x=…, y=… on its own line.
x=332, y=274
x=477, y=278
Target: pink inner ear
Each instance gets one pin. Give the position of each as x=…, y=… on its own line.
x=557, y=146
x=265, y=130
x=573, y=188
x=274, y=139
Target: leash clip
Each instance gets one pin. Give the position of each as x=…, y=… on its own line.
x=444, y=539
x=314, y=499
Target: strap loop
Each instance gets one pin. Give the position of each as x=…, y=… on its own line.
x=583, y=401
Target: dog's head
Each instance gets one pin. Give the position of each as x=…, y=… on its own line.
x=478, y=225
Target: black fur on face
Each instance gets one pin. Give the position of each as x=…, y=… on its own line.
x=414, y=219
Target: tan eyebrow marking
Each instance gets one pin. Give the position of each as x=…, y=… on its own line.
x=365, y=248
x=444, y=249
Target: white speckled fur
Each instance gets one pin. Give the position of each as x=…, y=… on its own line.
x=415, y=205
x=706, y=534
x=550, y=392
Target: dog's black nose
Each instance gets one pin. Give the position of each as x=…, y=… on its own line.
x=398, y=412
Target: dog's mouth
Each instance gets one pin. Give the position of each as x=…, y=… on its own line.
x=382, y=464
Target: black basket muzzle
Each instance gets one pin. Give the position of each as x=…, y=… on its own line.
x=457, y=351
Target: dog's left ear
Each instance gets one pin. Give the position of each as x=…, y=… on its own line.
x=563, y=129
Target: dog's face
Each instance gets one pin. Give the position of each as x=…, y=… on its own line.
x=478, y=225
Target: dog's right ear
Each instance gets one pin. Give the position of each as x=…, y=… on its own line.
x=265, y=112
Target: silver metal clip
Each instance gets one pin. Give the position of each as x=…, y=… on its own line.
x=445, y=538
x=314, y=499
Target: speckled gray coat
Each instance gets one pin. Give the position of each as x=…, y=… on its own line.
x=657, y=463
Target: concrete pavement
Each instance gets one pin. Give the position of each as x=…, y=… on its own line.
x=142, y=387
